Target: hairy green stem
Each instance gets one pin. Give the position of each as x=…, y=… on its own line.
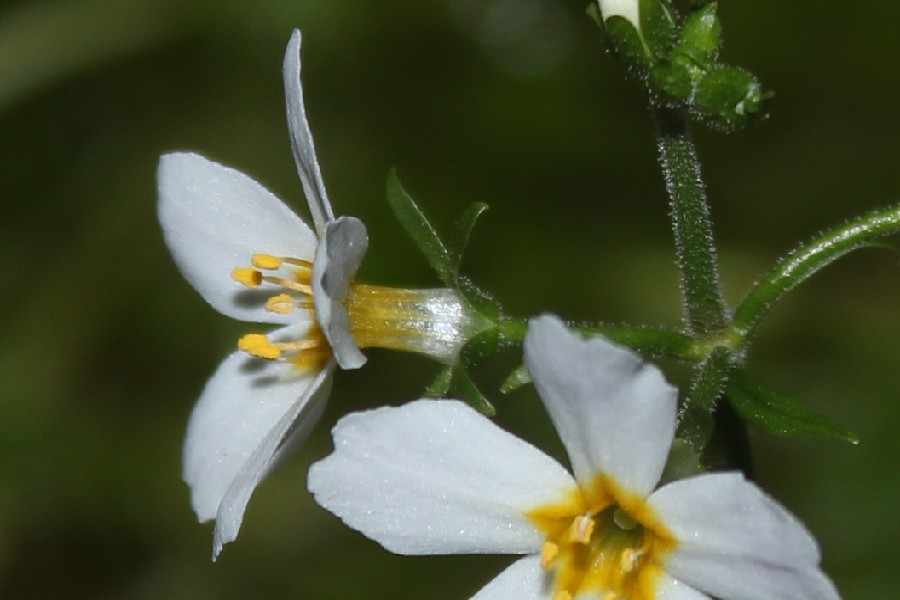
x=704, y=306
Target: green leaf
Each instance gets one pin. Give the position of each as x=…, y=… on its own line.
x=801, y=264
x=778, y=413
x=420, y=230
x=463, y=232
x=515, y=380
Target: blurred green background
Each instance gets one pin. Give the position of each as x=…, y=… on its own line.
x=510, y=102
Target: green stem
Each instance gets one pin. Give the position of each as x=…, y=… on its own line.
x=704, y=305
x=808, y=259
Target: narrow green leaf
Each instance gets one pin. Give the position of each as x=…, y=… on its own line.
x=463, y=233
x=515, y=380
x=420, y=230
x=778, y=413
x=801, y=264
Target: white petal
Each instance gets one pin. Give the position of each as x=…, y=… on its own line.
x=614, y=413
x=338, y=257
x=671, y=589
x=736, y=543
x=628, y=9
x=213, y=219
x=522, y=580
x=301, y=138
x=239, y=428
x=436, y=477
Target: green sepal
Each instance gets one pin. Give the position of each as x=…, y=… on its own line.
x=479, y=347
x=515, y=380
x=674, y=81
x=658, y=26
x=778, y=413
x=454, y=382
x=457, y=245
x=627, y=45
x=439, y=387
x=729, y=98
x=481, y=301
x=413, y=221
x=701, y=36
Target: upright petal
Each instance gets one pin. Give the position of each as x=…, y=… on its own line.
x=249, y=412
x=522, y=580
x=302, y=140
x=338, y=256
x=736, y=543
x=614, y=413
x=213, y=219
x=436, y=477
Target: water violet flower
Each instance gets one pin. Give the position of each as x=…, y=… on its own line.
x=435, y=477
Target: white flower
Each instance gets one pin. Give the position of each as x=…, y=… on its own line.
x=253, y=259
x=435, y=477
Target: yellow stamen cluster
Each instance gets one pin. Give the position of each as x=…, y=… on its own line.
x=605, y=541
x=311, y=351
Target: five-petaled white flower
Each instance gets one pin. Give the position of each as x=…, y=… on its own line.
x=435, y=477
x=253, y=259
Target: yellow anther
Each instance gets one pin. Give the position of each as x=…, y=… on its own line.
x=628, y=559
x=259, y=346
x=581, y=530
x=563, y=595
x=247, y=276
x=281, y=304
x=611, y=596
x=265, y=261
x=548, y=552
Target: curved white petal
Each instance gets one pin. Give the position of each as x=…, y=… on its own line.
x=627, y=9
x=301, y=138
x=671, y=589
x=338, y=256
x=213, y=219
x=436, y=477
x=522, y=580
x=241, y=423
x=736, y=543
x=614, y=413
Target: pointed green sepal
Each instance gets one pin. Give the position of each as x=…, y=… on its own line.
x=778, y=413
x=413, y=221
x=515, y=380
x=457, y=245
x=627, y=45
x=729, y=98
x=657, y=26
x=439, y=387
x=701, y=36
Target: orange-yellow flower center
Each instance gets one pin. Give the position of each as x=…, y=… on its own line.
x=603, y=540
